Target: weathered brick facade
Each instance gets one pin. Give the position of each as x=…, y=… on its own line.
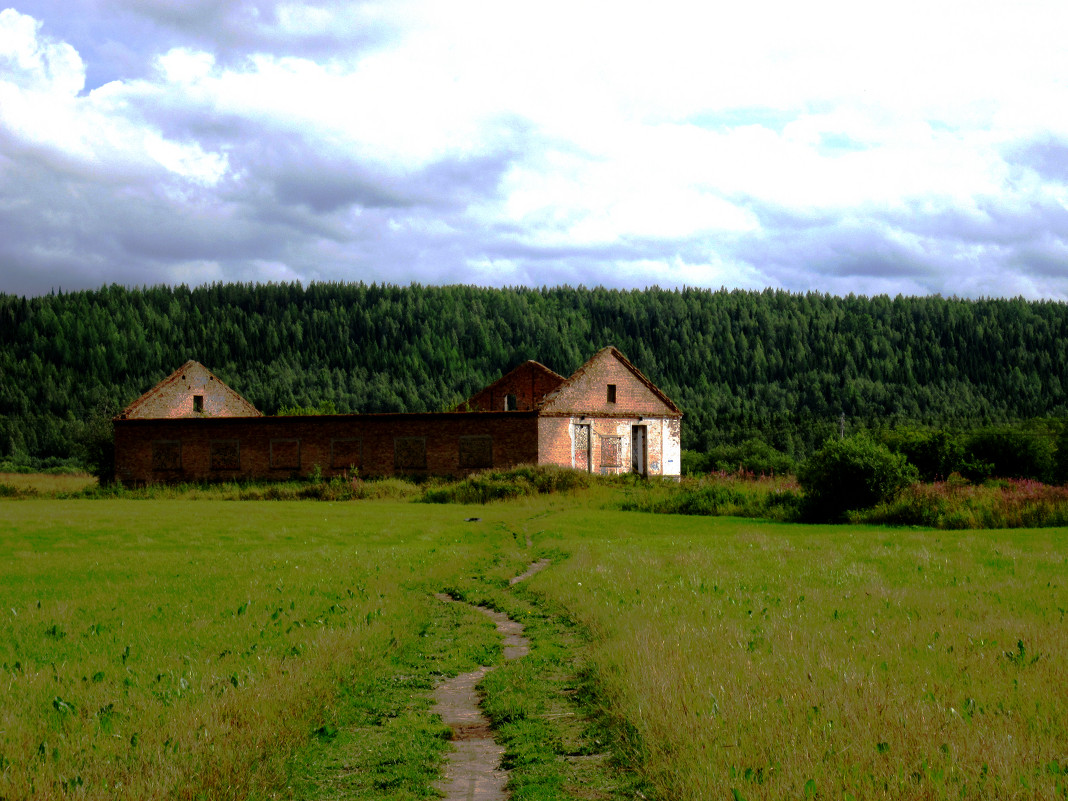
x=606, y=418
x=520, y=390
x=190, y=391
x=609, y=418
x=216, y=449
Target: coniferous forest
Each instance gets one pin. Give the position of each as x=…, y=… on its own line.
x=775, y=366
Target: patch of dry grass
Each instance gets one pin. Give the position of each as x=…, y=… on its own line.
x=48, y=483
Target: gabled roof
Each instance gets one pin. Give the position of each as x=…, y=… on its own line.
x=529, y=366
x=557, y=401
x=170, y=384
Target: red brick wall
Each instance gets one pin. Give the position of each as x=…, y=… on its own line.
x=587, y=392
x=299, y=443
x=528, y=382
x=555, y=441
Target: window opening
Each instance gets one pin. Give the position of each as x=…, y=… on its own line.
x=611, y=393
x=198, y=403
x=509, y=403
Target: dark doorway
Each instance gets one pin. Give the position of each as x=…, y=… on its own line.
x=639, y=462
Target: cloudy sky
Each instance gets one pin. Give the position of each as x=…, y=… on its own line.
x=912, y=147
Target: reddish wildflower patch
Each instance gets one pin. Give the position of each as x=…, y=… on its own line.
x=957, y=504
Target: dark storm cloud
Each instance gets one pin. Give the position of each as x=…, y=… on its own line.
x=296, y=172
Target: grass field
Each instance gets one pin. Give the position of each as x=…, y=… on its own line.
x=48, y=483
x=276, y=649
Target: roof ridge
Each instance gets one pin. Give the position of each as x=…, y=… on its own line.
x=614, y=351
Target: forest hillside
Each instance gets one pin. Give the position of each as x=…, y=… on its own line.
x=773, y=365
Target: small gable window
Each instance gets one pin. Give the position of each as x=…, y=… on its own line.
x=509, y=403
x=611, y=393
x=198, y=403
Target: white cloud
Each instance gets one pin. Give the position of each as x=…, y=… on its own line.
x=806, y=145
x=37, y=64
x=181, y=65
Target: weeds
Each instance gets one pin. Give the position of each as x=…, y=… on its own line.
x=719, y=495
x=956, y=504
x=495, y=485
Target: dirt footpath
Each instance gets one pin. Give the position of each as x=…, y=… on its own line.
x=473, y=772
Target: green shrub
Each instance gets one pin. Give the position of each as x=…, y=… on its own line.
x=751, y=456
x=935, y=453
x=852, y=473
x=1012, y=452
x=1060, y=459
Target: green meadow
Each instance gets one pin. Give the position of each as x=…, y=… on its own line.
x=177, y=648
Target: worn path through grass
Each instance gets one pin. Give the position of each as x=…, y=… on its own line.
x=184, y=649
x=474, y=772
x=173, y=649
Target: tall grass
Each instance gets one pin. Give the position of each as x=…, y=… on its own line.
x=517, y=482
x=26, y=483
x=339, y=488
x=956, y=504
x=952, y=504
x=720, y=494
x=757, y=660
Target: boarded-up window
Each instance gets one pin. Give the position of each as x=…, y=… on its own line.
x=611, y=452
x=346, y=453
x=409, y=453
x=582, y=446
x=226, y=454
x=285, y=454
x=476, y=452
x=167, y=455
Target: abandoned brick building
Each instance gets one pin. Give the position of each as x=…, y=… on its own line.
x=605, y=418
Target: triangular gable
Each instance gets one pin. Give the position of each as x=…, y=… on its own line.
x=528, y=383
x=175, y=396
x=584, y=393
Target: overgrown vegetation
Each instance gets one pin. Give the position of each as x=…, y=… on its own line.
x=495, y=485
x=958, y=504
x=955, y=503
x=852, y=473
x=722, y=495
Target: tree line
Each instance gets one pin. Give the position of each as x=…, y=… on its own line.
x=783, y=368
